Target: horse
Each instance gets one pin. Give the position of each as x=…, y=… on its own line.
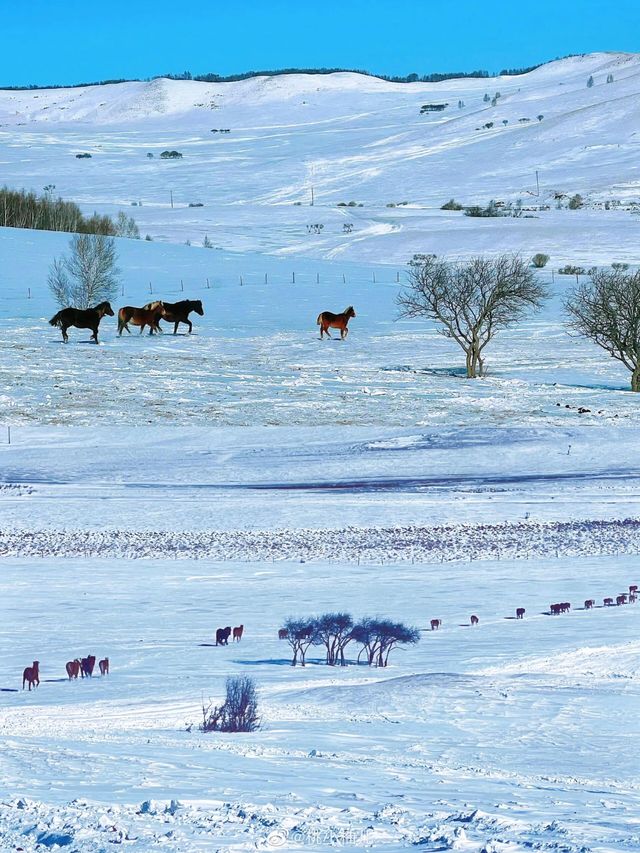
x=608, y=602
x=178, y=312
x=327, y=320
x=633, y=597
x=237, y=633
x=283, y=634
x=520, y=611
x=73, y=668
x=474, y=620
x=435, y=624
x=222, y=636
x=31, y=675
x=555, y=609
x=140, y=317
x=589, y=603
x=633, y=587
x=81, y=318
x=621, y=599
x=86, y=666
x=104, y=666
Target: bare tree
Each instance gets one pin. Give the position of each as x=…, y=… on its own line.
x=607, y=311
x=471, y=301
x=239, y=713
x=89, y=275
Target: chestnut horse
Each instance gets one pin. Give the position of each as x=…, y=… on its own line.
x=520, y=611
x=178, y=312
x=140, y=317
x=31, y=675
x=589, y=603
x=237, y=633
x=87, y=318
x=474, y=620
x=104, y=666
x=283, y=634
x=73, y=668
x=326, y=320
x=435, y=624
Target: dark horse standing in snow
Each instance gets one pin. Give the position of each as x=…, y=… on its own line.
x=178, y=312
x=327, y=320
x=81, y=318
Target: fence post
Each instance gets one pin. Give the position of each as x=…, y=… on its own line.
x=8, y=435
x=266, y=280
x=150, y=288
x=398, y=277
x=208, y=285
x=293, y=278
x=181, y=285
x=28, y=293
x=344, y=280
x=374, y=277
x=240, y=281
x=317, y=278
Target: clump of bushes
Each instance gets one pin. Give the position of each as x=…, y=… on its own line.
x=348, y=204
x=170, y=155
x=540, y=260
x=490, y=210
x=452, y=204
x=616, y=265
x=335, y=631
x=576, y=202
x=238, y=713
x=84, y=156
x=196, y=204
x=570, y=269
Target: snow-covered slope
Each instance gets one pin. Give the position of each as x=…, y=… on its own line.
x=351, y=138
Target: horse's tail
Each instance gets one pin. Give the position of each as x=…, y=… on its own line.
x=56, y=320
x=122, y=320
x=319, y=320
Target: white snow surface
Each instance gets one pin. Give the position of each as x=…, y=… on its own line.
x=156, y=488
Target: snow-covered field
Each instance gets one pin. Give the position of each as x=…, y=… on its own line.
x=156, y=488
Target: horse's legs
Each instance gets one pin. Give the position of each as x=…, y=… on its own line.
x=189, y=324
x=95, y=334
x=65, y=336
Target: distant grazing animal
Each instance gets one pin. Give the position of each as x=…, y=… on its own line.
x=621, y=599
x=632, y=598
x=104, y=666
x=237, y=633
x=435, y=624
x=87, y=318
x=589, y=604
x=73, y=668
x=520, y=611
x=607, y=602
x=86, y=666
x=140, y=317
x=178, y=312
x=326, y=320
x=565, y=607
x=222, y=636
x=283, y=634
x=31, y=675
x=633, y=587
x=474, y=620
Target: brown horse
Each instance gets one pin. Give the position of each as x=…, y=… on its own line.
x=589, y=603
x=178, y=312
x=104, y=666
x=87, y=318
x=73, y=668
x=326, y=320
x=237, y=633
x=474, y=620
x=283, y=634
x=147, y=316
x=435, y=624
x=31, y=675
x=520, y=611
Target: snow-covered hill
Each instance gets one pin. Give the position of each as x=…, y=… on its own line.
x=351, y=138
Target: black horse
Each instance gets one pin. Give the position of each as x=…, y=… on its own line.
x=87, y=318
x=222, y=636
x=178, y=312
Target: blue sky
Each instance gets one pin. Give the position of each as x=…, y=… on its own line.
x=45, y=41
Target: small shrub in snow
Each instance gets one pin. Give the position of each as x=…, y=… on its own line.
x=196, y=204
x=452, y=204
x=150, y=155
x=616, y=265
x=590, y=82
x=609, y=78
x=576, y=202
x=170, y=155
x=206, y=243
x=149, y=238
x=540, y=117
x=238, y=713
x=84, y=156
x=570, y=269
x=540, y=260
x=490, y=210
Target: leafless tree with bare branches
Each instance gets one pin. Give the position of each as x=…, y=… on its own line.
x=472, y=301
x=90, y=273
x=607, y=311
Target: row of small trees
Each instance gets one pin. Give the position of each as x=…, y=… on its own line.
x=472, y=301
x=21, y=209
x=335, y=631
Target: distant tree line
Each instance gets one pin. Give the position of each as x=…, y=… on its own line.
x=22, y=209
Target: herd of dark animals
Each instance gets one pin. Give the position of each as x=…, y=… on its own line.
x=172, y=312
x=84, y=666
x=149, y=315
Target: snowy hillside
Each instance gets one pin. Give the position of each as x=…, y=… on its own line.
x=351, y=138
